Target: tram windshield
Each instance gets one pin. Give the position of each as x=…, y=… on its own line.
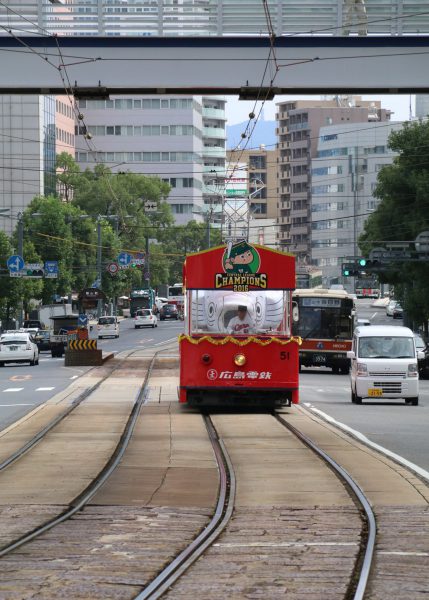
x=240, y=313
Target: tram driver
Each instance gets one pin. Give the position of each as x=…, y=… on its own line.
x=242, y=322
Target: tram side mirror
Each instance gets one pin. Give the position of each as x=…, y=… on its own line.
x=353, y=313
x=351, y=354
x=295, y=312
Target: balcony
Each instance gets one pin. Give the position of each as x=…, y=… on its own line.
x=214, y=113
x=284, y=236
x=214, y=132
x=285, y=220
x=214, y=151
x=285, y=205
x=215, y=170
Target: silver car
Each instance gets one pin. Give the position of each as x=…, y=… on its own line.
x=390, y=307
x=18, y=347
x=145, y=318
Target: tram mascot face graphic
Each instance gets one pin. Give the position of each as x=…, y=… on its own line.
x=241, y=258
x=214, y=309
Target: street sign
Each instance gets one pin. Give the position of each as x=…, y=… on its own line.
x=150, y=206
x=96, y=284
x=82, y=320
x=51, y=269
x=138, y=259
x=15, y=263
x=33, y=271
x=422, y=242
x=124, y=258
x=112, y=268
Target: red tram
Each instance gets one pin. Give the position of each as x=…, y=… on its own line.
x=238, y=344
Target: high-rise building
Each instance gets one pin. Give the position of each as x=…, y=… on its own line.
x=34, y=129
x=422, y=106
x=181, y=140
x=299, y=123
x=343, y=178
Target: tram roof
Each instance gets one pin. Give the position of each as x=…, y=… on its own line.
x=218, y=268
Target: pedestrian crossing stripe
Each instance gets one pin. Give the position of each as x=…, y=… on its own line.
x=83, y=345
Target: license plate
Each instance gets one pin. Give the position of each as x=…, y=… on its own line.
x=375, y=392
x=13, y=347
x=320, y=358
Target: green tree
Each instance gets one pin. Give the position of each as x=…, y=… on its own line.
x=403, y=188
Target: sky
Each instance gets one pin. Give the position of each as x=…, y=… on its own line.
x=237, y=111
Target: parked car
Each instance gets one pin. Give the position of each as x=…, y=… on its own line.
x=398, y=311
x=107, y=327
x=169, y=311
x=43, y=339
x=17, y=347
x=145, y=318
x=390, y=307
x=423, y=363
x=362, y=322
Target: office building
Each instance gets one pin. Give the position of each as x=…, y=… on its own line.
x=179, y=139
x=299, y=123
x=343, y=178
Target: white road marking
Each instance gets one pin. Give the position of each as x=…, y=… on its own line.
x=284, y=544
x=404, y=553
x=373, y=316
x=44, y=389
x=17, y=404
x=358, y=435
x=166, y=341
x=74, y=377
x=13, y=390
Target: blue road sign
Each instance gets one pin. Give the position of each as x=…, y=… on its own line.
x=51, y=269
x=51, y=266
x=82, y=320
x=124, y=258
x=15, y=263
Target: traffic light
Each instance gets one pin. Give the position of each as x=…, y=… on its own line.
x=362, y=262
x=349, y=270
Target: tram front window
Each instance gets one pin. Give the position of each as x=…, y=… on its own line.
x=240, y=313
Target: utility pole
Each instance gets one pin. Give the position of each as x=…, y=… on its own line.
x=99, y=274
x=21, y=254
x=147, y=266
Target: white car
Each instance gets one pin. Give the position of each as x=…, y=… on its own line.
x=107, y=327
x=145, y=318
x=390, y=307
x=17, y=347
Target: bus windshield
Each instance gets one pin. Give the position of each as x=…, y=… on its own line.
x=324, y=318
x=240, y=313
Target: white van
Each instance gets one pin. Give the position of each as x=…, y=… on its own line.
x=384, y=364
x=107, y=327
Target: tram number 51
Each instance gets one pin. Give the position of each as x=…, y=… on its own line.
x=284, y=355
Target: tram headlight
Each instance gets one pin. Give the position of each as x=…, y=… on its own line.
x=240, y=360
x=206, y=359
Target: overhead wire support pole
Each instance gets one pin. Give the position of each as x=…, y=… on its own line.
x=99, y=274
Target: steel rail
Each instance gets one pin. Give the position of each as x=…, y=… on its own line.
x=365, y=562
x=82, y=499
x=205, y=539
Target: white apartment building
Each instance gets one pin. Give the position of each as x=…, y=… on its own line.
x=344, y=176
x=181, y=140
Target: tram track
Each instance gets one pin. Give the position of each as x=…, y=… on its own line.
x=168, y=576
x=359, y=579
x=85, y=496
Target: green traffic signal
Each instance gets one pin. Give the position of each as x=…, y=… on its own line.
x=362, y=262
